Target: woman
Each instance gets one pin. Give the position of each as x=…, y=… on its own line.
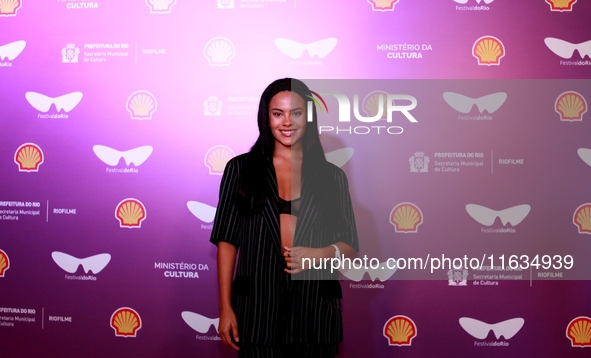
x=279, y=203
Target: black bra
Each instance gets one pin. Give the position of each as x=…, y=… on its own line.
x=285, y=206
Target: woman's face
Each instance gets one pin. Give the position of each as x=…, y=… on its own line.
x=287, y=118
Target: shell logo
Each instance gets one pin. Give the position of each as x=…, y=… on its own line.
x=406, y=218
x=561, y=5
x=376, y=103
x=570, y=106
x=4, y=263
x=130, y=213
x=219, y=51
x=488, y=50
x=382, y=5
x=28, y=157
x=582, y=218
x=141, y=105
x=160, y=6
x=579, y=332
x=400, y=330
x=126, y=322
x=10, y=7
x=217, y=157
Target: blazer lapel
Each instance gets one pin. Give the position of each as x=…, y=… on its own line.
x=270, y=210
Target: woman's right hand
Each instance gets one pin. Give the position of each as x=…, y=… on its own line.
x=228, y=328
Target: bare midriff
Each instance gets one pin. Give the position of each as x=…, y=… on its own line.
x=287, y=224
x=289, y=189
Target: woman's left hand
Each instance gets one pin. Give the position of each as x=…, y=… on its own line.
x=294, y=257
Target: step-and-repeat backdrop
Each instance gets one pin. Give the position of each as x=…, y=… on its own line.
x=462, y=125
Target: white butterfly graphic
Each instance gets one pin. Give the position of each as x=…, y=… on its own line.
x=339, y=157
x=566, y=49
x=382, y=273
x=295, y=49
x=585, y=155
x=202, y=211
x=12, y=50
x=200, y=323
x=43, y=103
x=479, y=329
x=464, y=104
x=112, y=156
x=70, y=263
x=487, y=217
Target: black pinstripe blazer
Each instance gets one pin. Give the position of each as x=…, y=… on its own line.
x=272, y=306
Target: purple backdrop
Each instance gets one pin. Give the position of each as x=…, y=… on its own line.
x=118, y=117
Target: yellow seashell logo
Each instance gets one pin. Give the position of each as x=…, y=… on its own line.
x=28, y=157
x=126, y=322
x=141, y=105
x=130, y=213
x=571, y=106
x=582, y=218
x=406, y=218
x=217, y=157
x=10, y=7
x=400, y=330
x=376, y=104
x=219, y=51
x=488, y=50
x=4, y=263
x=579, y=332
x=561, y=5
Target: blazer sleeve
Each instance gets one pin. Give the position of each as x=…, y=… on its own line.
x=226, y=224
x=348, y=233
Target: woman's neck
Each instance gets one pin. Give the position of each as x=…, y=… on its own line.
x=287, y=154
